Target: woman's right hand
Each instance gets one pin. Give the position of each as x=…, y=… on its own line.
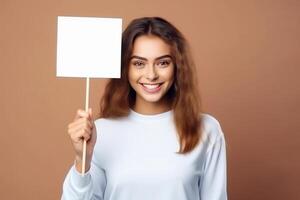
x=83, y=128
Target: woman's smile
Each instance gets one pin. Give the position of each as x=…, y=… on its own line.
x=151, y=88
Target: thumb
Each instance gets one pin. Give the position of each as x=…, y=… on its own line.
x=90, y=113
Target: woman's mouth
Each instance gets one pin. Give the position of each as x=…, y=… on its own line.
x=151, y=88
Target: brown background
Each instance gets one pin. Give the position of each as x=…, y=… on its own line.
x=247, y=53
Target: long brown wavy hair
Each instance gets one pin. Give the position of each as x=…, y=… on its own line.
x=183, y=95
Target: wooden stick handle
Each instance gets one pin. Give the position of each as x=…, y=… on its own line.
x=87, y=92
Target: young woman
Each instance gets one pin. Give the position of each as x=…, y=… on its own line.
x=151, y=141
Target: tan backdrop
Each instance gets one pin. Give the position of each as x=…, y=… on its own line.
x=247, y=53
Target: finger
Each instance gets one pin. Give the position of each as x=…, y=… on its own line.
x=93, y=134
x=77, y=116
x=79, y=127
x=81, y=134
x=79, y=122
x=90, y=113
x=86, y=136
x=81, y=113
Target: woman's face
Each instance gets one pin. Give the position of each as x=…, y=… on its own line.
x=151, y=69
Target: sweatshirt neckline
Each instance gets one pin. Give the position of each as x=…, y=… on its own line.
x=152, y=117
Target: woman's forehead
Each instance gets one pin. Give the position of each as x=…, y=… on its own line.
x=150, y=47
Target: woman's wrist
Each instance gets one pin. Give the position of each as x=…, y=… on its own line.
x=78, y=164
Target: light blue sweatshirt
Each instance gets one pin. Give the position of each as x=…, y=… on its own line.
x=134, y=159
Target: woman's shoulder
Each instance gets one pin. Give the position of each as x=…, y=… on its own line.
x=100, y=121
x=211, y=127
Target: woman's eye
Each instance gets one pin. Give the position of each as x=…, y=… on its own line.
x=138, y=63
x=164, y=63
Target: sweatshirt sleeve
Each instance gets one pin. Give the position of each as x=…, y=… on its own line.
x=213, y=184
x=90, y=186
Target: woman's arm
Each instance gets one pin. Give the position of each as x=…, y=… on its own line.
x=91, y=186
x=213, y=183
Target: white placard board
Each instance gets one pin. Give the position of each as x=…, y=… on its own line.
x=88, y=47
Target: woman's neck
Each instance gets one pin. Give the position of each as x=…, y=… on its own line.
x=151, y=108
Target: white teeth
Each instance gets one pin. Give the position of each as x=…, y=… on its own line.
x=151, y=86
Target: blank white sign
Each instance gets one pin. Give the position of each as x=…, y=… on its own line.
x=88, y=47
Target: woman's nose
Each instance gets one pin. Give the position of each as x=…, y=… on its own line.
x=151, y=73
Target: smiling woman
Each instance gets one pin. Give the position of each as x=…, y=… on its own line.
x=153, y=140
x=151, y=74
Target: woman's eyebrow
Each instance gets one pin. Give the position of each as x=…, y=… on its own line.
x=158, y=58
x=164, y=56
x=138, y=57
